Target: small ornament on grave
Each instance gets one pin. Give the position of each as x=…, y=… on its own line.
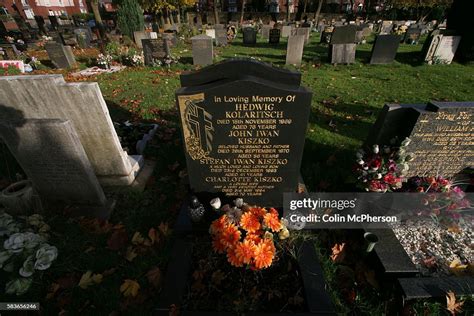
x=196, y=209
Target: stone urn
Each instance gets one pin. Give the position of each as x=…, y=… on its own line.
x=18, y=197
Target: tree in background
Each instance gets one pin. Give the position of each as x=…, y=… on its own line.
x=165, y=8
x=98, y=19
x=318, y=11
x=130, y=17
x=423, y=7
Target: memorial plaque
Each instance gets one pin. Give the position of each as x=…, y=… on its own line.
x=244, y=137
x=202, y=50
x=344, y=34
x=52, y=156
x=294, y=50
x=61, y=56
x=385, y=49
x=441, y=133
x=274, y=36
x=155, y=50
x=250, y=36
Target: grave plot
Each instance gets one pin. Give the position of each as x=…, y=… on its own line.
x=214, y=105
x=432, y=247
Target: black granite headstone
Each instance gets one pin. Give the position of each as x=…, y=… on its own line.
x=244, y=137
x=274, y=37
x=344, y=34
x=441, y=133
x=385, y=49
x=250, y=36
x=155, y=50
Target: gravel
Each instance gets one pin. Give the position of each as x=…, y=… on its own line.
x=432, y=247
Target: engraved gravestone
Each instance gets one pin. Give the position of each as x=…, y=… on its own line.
x=243, y=125
x=250, y=36
x=53, y=158
x=50, y=97
x=442, y=49
x=274, y=37
x=441, y=134
x=294, y=50
x=384, y=49
x=60, y=55
x=155, y=50
x=202, y=50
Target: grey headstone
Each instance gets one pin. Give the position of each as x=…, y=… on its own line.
x=266, y=31
x=294, y=50
x=221, y=37
x=384, y=49
x=155, y=50
x=202, y=50
x=50, y=97
x=52, y=156
x=342, y=53
x=286, y=31
x=61, y=56
x=83, y=37
x=305, y=31
x=344, y=34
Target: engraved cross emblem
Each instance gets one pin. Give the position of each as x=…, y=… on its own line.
x=200, y=124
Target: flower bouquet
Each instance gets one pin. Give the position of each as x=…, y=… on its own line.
x=246, y=236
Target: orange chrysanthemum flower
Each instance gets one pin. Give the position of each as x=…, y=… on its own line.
x=258, y=211
x=250, y=222
x=245, y=251
x=218, y=246
x=233, y=259
x=254, y=237
x=273, y=211
x=218, y=225
x=272, y=221
x=230, y=235
x=264, y=253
